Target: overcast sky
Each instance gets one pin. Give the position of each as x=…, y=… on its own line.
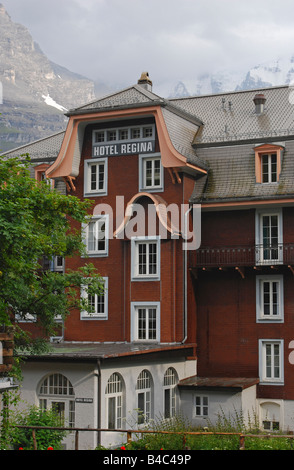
x=115, y=40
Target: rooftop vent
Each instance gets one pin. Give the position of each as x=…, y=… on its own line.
x=259, y=101
x=145, y=81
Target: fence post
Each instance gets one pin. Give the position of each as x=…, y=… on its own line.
x=129, y=437
x=242, y=442
x=77, y=440
x=34, y=439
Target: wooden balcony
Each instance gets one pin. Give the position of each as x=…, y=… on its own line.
x=242, y=256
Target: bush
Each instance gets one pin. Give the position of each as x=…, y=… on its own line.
x=34, y=416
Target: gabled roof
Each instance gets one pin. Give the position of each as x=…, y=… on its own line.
x=226, y=142
x=231, y=117
x=132, y=96
x=176, y=128
x=231, y=176
x=45, y=149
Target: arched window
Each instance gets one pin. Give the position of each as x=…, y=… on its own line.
x=57, y=392
x=114, y=396
x=144, y=388
x=169, y=389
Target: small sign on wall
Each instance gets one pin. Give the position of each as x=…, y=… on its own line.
x=84, y=400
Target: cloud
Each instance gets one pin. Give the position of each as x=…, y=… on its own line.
x=115, y=40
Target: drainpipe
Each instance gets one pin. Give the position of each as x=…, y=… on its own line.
x=99, y=402
x=185, y=274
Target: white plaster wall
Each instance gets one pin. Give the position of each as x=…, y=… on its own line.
x=220, y=403
x=130, y=371
x=84, y=378
x=85, y=382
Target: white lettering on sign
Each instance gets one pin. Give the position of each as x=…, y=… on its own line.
x=103, y=150
x=84, y=400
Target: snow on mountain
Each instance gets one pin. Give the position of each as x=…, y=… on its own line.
x=275, y=73
x=50, y=101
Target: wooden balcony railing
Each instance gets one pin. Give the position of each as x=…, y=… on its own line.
x=256, y=255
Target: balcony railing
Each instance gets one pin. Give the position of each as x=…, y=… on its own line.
x=257, y=255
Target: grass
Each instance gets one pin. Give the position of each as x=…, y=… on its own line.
x=209, y=439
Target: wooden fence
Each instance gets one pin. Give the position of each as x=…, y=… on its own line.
x=130, y=432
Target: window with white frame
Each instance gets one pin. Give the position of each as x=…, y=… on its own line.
x=269, y=237
x=269, y=298
x=271, y=363
x=145, y=322
x=57, y=392
x=96, y=236
x=201, y=406
x=97, y=304
x=95, y=177
x=130, y=133
x=150, y=173
x=114, y=396
x=144, y=391
x=146, y=258
x=169, y=390
x=269, y=168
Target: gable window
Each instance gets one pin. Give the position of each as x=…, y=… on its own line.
x=40, y=174
x=96, y=236
x=98, y=304
x=145, y=258
x=269, y=298
x=271, y=361
x=114, y=396
x=144, y=390
x=129, y=133
x=145, y=322
x=268, y=161
x=150, y=173
x=269, y=237
x=95, y=177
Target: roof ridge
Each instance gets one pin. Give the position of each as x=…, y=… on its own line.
x=148, y=94
x=233, y=92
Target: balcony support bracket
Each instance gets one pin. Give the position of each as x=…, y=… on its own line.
x=240, y=271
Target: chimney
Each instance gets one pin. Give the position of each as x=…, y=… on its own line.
x=145, y=81
x=259, y=101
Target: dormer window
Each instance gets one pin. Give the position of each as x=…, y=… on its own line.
x=268, y=162
x=269, y=168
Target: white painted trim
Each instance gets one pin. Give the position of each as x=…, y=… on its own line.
x=134, y=320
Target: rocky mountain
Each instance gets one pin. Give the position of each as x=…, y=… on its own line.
x=275, y=73
x=35, y=91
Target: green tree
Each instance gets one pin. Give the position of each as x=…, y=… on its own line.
x=36, y=222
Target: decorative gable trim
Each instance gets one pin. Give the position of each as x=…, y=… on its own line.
x=68, y=160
